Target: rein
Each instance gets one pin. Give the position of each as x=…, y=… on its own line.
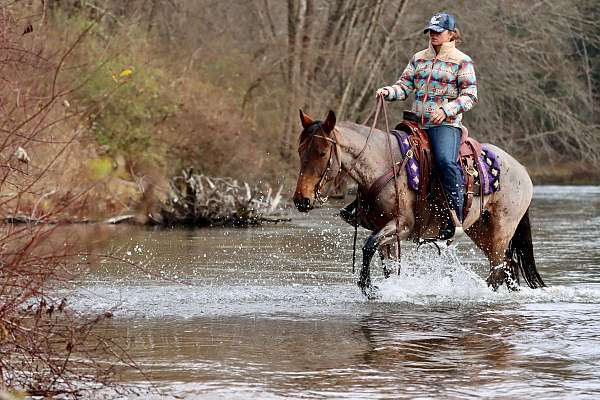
x=377, y=109
x=335, y=148
x=396, y=187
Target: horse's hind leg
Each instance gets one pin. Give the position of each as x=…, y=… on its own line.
x=505, y=233
x=494, y=240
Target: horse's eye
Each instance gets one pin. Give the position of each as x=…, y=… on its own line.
x=322, y=154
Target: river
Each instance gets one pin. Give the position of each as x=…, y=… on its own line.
x=274, y=313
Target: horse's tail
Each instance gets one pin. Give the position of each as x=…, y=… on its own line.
x=520, y=251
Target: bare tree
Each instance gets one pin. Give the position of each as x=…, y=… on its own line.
x=536, y=61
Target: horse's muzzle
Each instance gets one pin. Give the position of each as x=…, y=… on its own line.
x=302, y=204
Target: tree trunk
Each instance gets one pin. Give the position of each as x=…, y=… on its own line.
x=297, y=16
x=306, y=56
x=365, y=43
x=368, y=88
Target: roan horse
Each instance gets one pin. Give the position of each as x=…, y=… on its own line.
x=502, y=231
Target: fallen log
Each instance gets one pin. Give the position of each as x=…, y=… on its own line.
x=16, y=219
x=120, y=219
x=200, y=200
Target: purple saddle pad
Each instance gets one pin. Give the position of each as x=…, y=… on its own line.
x=489, y=165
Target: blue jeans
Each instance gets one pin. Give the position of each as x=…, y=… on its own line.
x=445, y=144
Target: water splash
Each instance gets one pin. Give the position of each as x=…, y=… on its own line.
x=434, y=280
x=425, y=280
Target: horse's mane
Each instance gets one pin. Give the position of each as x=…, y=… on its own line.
x=362, y=130
x=310, y=130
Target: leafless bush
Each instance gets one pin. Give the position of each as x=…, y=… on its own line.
x=45, y=348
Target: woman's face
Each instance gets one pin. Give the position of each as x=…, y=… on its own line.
x=438, y=38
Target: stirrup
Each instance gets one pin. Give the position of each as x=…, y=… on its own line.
x=433, y=242
x=348, y=216
x=459, y=233
x=446, y=233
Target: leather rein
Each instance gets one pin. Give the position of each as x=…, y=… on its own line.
x=334, y=148
x=324, y=176
x=318, y=195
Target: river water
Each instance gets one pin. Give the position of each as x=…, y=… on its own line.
x=274, y=312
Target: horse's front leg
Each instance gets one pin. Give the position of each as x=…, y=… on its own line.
x=387, y=252
x=380, y=238
x=368, y=250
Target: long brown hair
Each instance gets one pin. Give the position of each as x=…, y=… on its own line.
x=456, y=36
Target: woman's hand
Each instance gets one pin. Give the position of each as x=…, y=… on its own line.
x=382, y=92
x=438, y=116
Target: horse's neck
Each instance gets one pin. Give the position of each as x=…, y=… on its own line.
x=364, y=166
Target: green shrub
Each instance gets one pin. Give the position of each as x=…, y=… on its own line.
x=127, y=105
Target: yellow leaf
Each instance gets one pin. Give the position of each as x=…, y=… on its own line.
x=126, y=72
x=100, y=168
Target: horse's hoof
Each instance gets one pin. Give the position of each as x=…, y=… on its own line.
x=369, y=291
x=363, y=285
x=492, y=283
x=387, y=272
x=512, y=287
x=496, y=277
x=511, y=284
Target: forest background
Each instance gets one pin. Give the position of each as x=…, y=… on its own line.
x=110, y=98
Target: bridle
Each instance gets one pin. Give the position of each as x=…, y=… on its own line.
x=380, y=104
x=332, y=149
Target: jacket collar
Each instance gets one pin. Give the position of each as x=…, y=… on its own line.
x=444, y=50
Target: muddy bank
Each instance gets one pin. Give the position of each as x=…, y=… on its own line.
x=566, y=173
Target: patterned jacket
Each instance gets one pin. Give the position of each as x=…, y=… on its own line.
x=445, y=80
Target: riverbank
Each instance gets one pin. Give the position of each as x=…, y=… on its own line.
x=119, y=201
x=565, y=174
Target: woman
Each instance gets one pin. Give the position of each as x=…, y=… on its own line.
x=443, y=79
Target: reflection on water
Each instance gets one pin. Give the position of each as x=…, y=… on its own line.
x=274, y=312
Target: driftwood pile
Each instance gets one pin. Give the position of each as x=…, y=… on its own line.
x=199, y=200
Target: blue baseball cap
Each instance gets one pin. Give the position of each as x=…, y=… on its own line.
x=441, y=22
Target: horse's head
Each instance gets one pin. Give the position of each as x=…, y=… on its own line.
x=317, y=149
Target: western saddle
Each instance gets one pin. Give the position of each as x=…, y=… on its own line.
x=470, y=149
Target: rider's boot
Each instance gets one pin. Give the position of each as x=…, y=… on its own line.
x=453, y=229
x=348, y=213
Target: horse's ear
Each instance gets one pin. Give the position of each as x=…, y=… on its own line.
x=329, y=123
x=305, y=119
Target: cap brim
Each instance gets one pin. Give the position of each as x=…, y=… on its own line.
x=435, y=28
